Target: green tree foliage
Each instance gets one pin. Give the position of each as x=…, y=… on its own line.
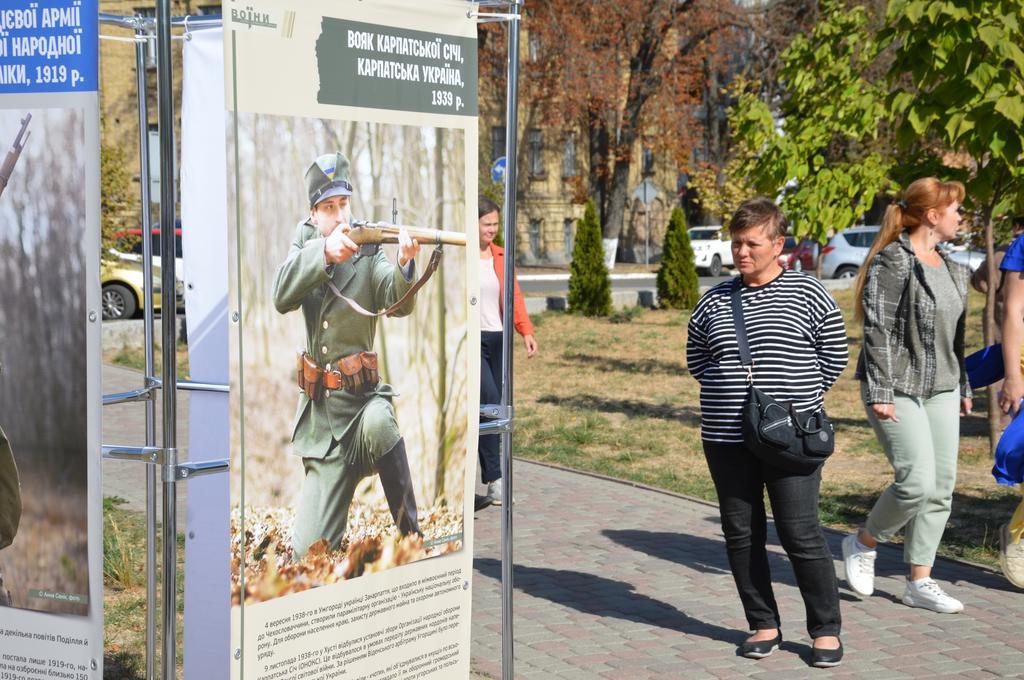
x=821, y=150
x=590, y=289
x=969, y=94
x=116, y=199
x=677, y=278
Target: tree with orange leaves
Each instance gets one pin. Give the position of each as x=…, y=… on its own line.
x=625, y=73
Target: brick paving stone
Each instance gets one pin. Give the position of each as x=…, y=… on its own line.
x=125, y=424
x=639, y=579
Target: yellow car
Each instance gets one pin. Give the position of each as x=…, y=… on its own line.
x=121, y=281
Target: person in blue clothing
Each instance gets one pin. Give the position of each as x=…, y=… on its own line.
x=1009, y=467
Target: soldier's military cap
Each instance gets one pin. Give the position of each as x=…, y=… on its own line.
x=327, y=177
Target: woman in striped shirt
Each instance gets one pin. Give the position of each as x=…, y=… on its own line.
x=798, y=344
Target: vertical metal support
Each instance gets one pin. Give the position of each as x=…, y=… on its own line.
x=150, y=405
x=168, y=315
x=511, y=137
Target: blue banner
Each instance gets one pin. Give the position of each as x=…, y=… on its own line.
x=49, y=46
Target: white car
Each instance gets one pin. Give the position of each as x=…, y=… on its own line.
x=712, y=250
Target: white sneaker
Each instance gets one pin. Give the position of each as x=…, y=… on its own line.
x=494, y=492
x=859, y=565
x=927, y=594
x=1011, y=557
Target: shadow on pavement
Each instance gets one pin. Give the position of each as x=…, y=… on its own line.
x=705, y=555
x=605, y=597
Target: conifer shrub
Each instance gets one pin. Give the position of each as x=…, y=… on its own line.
x=677, y=278
x=590, y=289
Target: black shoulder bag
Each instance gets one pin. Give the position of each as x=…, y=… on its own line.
x=773, y=431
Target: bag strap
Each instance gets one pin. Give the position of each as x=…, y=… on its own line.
x=746, y=360
x=435, y=260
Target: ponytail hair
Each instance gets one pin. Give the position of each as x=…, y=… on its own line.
x=919, y=197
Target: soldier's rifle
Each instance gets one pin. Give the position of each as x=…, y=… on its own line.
x=364, y=232
x=15, y=153
x=373, y=233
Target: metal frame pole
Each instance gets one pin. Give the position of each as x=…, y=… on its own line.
x=511, y=136
x=150, y=405
x=168, y=315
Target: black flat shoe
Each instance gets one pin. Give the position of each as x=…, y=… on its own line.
x=827, y=658
x=761, y=648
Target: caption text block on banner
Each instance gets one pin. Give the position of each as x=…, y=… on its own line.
x=384, y=67
x=48, y=46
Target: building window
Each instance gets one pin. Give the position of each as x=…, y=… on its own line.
x=497, y=143
x=569, y=229
x=209, y=10
x=535, y=152
x=150, y=58
x=535, y=237
x=569, y=155
x=533, y=48
x=648, y=161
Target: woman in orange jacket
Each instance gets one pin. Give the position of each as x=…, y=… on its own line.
x=492, y=298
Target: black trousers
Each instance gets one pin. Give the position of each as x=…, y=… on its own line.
x=740, y=480
x=490, y=393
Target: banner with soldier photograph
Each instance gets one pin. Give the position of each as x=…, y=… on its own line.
x=352, y=161
x=51, y=583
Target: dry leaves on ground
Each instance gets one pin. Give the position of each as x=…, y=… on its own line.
x=372, y=544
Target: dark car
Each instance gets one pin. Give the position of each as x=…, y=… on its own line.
x=787, y=249
x=804, y=257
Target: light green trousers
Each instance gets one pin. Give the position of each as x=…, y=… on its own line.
x=922, y=448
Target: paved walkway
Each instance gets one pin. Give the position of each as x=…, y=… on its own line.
x=613, y=581
x=624, y=582
x=125, y=424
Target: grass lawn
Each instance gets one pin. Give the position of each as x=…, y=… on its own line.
x=134, y=357
x=124, y=593
x=624, y=405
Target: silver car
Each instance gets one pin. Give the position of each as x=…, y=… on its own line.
x=965, y=255
x=845, y=253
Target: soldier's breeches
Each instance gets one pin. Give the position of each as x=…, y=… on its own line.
x=374, y=433
x=327, y=492
x=330, y=483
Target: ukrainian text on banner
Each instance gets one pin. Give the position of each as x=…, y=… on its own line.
x=354, y=380
x=51, y=583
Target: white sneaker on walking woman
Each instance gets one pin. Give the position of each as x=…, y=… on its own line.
x=859, y=565
x=927, y=594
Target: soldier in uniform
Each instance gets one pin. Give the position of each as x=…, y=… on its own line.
x=10, y=503
x=345, y=427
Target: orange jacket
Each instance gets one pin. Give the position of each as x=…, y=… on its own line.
x=520, y=319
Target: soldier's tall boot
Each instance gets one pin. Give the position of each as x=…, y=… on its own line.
x=396, y=479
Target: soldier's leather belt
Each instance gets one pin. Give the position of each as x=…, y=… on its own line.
x=357, y=373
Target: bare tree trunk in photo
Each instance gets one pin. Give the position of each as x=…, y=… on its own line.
x=989, y=322
x=5, y=594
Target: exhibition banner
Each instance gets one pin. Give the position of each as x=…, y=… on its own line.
x=204, y=220
x=51, y=578
x=353, y=370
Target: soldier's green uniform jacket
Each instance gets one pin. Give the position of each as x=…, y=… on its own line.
x=10, y=494
x=334, y=330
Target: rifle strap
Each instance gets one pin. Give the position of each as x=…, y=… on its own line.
x=435, y=260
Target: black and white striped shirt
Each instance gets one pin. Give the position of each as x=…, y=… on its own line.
x=797, y=341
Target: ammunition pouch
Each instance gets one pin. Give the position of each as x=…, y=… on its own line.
x=357, y=373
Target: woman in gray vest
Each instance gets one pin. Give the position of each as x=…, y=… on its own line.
x=913, y=300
